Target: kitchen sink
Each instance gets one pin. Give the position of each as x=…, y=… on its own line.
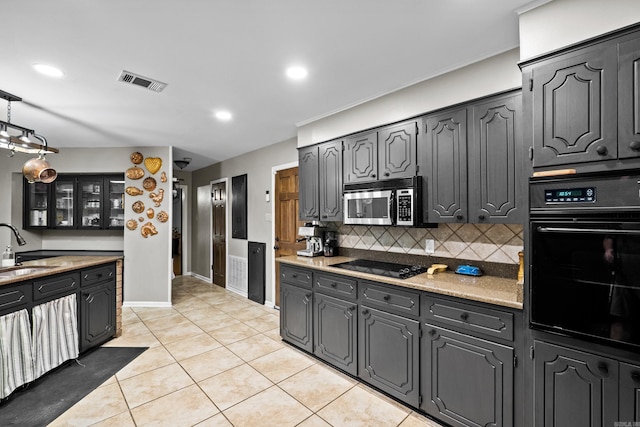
x=11, y=272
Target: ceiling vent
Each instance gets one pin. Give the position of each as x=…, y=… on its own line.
x=138, y=80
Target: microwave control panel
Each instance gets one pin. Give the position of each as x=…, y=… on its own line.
x=405, y=207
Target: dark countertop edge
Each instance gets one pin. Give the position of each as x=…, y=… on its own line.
x=518, y=305
x=59, y=265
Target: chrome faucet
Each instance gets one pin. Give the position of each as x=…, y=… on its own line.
x=19, y=238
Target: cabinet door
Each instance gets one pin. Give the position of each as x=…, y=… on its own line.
x=388, y=353
x=397, y=151
x=308, y=164
x=629, y=393
x=114, y=202
x=36, y=204
x=495, y=161
x=573, y=388
x=90, y=198
x=335, y=332
x=296, y=319
x=446, y=166
x=466, y=380
x=64, y=196
x=330, y=178
x=574, y=108
x=361, y=158
x=629, y=99
x=97, y=315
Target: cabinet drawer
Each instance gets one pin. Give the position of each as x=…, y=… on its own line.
x=336, y=285
x=55, y=285
x=296, y=276
x=485, y=321
x=98, y=274
x=390, y=298
x=14, y=298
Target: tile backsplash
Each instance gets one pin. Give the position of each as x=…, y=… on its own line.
x=498, y=243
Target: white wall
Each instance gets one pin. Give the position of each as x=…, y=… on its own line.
x=564, y=22
x=492, y=75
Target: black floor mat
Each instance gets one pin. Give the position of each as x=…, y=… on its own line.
x=51, y=395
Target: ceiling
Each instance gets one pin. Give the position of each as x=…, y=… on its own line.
x=227, y=54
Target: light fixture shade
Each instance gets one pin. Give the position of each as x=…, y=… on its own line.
x=182, y=163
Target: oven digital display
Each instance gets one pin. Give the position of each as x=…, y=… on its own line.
x=570, y=195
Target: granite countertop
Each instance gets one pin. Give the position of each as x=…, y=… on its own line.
x=56, y=265
x=488, y=289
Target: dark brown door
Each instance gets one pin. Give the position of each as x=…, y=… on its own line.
x=286, y=219
x=219, y=200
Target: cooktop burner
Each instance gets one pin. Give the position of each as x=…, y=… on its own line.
x=388, y=269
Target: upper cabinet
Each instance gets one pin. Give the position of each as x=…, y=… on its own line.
x=583, y=104
x=472, y=160
x=385, y=153
x=88, y=202
x=320, y=182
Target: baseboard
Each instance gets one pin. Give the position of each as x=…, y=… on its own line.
x=203, y=278
x=238, y=292
x=154, y=304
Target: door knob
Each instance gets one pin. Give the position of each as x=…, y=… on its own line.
x=635, y=145
x=602, y=150
x=276, y=247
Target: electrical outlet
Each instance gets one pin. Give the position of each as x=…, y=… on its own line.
x=429, y=246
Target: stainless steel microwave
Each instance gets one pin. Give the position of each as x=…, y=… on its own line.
x=392, y=202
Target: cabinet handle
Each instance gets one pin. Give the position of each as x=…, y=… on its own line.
x=432, y=332
x=365, y=312
x=459, y=216
x=353, y=307
x=603, y=368
x=325, y=216
x=480, y=217
x=373, y=175
x=333, y=285
x=89, y=299
x=308, y=296
x=635, y=145
x=464, y=317
x=635, y=377
x=294, y=276
x=386, y=174
x=602, y=150
x=86, y=276
x=386, y=297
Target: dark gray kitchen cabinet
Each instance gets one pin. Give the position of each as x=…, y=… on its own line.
x=388, y=353
x=629, y=393
x=96, y=305
x=397, y=150
x=15, y=297
x=573, y=387
x=308, y=184
x=361, y=158
x=335, y=332
x=296, y=315
x=320, y=182
x=495, y=166
x=629, y=99
x=445, y=165
x=467, y=381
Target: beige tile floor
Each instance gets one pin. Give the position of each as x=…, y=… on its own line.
x=216, y=359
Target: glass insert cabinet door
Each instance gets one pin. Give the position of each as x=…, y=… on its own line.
x=116, y=203
x=37, y=203
x=90, y=189
x=64, y=192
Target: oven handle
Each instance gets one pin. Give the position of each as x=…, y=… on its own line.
x=586, y=231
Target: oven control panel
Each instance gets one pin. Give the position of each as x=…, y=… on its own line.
x=570, y=195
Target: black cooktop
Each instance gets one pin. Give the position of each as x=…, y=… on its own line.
x=388, y=269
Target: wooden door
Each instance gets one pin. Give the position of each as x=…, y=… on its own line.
x=286, y=220
x=219, y=227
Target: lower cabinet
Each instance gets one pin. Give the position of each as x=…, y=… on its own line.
x=335, y=332
x=629, y=393
x=389, y=353
x=574, y=388
x=467, y=381
x=97, y=314
x=296, y=316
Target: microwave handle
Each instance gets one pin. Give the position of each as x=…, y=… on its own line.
x=392, y=208
x=587, y=231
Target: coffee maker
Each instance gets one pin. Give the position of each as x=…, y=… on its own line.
x=313, y=234
x=330, y=243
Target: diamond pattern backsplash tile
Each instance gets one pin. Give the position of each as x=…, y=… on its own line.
x=477, y=242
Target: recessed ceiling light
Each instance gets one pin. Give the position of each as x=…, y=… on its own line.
x=48, y=70
x=297, y=73
x=223, y=115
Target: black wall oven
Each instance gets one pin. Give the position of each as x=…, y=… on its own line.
x=585, y=260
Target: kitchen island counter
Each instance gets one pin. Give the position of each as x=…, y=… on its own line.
x=55, y=265
x=488, y=289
